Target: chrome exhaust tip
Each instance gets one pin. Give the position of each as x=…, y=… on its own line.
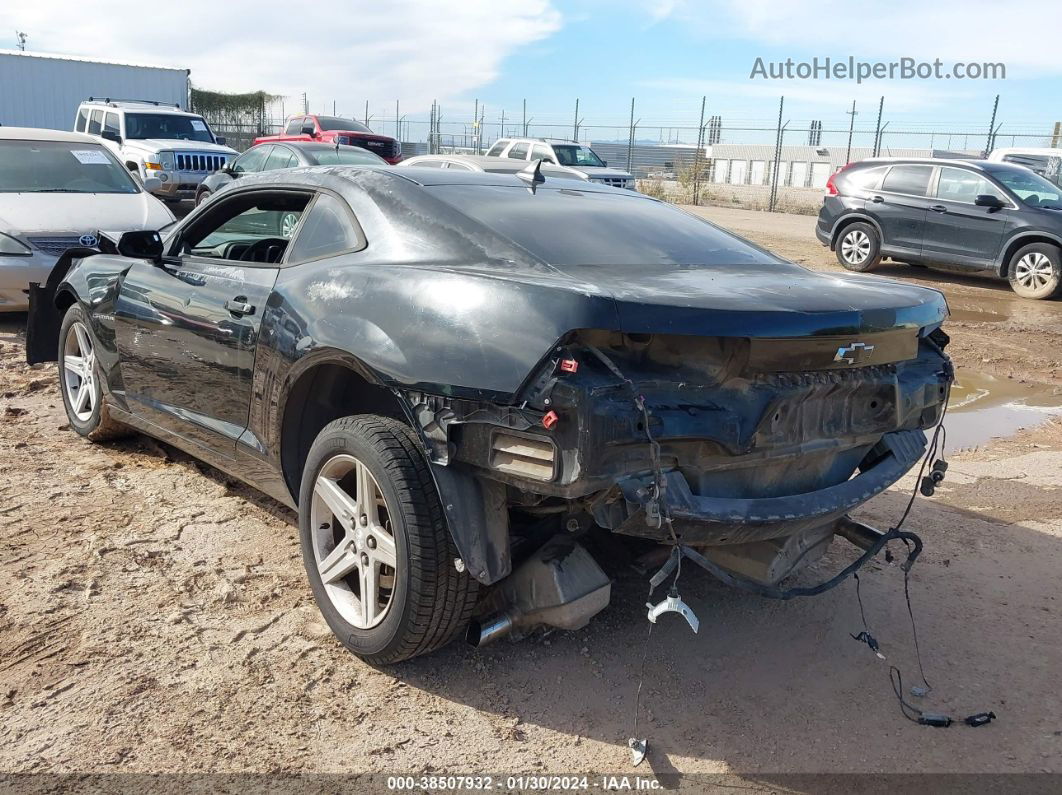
x=482, y=631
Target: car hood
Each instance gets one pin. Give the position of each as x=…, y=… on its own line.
x=78, y=213
x=777, y=299
x=176, y=145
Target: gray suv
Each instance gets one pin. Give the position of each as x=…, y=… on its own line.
x=968, y=215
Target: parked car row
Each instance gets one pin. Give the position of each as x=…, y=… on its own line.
x=978, y=216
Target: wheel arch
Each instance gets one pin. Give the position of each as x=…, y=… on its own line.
x=323, y=387
x=1018, y=241
x=852, y=218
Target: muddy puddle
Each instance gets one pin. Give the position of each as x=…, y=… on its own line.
x=984, y=407
x=995, y=306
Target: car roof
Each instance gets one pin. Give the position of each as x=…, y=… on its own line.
x=318, y=176
x=41, y=134
x=136, y=105
x=925, y=161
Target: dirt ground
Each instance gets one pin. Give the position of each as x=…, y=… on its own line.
x=155, y=617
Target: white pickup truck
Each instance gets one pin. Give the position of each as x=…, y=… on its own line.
x=154, y=140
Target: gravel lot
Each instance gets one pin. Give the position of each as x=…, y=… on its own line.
x=154, y=615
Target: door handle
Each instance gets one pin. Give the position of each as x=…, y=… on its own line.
x=939, y=208
x=878, y=199
x=239, y=306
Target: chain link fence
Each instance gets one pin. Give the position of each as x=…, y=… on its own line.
x=700, y=158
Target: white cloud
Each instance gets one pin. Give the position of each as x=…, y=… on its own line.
x=952, y=30
x=413, y=50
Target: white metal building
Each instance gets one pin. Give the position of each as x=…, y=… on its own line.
x=42, y=90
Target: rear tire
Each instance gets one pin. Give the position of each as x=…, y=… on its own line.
x=858, y=247
x=398, y=550
x=1035, y=271
x=81, y=382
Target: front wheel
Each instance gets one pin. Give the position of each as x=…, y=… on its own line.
x=858, y=247
x=80, y=380
x=1036, y=271
x=375, y=543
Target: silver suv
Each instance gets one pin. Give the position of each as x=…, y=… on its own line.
x=155, y=140
x=576, y=157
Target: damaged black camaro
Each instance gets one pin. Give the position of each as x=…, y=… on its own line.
x=455, y=376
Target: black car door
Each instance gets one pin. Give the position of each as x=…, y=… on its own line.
x=900, y=206
x=958, y=232
x=187, y=327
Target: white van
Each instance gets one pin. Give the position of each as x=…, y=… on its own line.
x=1044, y=161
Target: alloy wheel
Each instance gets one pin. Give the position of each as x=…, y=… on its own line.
x=1034, y=271
x=855, y=247
x=79, y=372
x=353, y=542
x=288, y=224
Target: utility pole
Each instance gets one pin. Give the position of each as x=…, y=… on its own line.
x=502, y=125
x=575, y=123
x=525, y=118
x=697, y=156
x=333, y=107
x=398, y=124
x=630, y=141
x=21, y=40
x=305, y=104
x=851, y=129
x=482, y=129
x=475, y=125
x=366, y=113
x=989, y=142
x=778, y=157
x=877, y=127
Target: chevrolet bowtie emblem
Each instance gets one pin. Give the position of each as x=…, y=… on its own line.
x=853, y=354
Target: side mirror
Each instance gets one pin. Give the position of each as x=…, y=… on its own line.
x=110, y=135
x=219, y=140
x=988, y=200
x=152, y=184
x=133, y=167
x=307, y=129
x=141, y=244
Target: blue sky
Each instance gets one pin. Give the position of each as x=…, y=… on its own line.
x=666, y=53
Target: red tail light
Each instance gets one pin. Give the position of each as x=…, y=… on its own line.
x=831, y=188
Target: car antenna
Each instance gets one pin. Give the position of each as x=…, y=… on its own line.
x=532, y=175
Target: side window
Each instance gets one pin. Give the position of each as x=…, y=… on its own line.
x=327, y=229
x=912, y=180
x=498, y=148
x=82, y=119
x=518, y=152
x=95, y=122
x=110, y=123
x=253, y=227
x=429, y=164
x=294, y=126
x=866, y=178
x=544, y=152
x=280, y=157
x=252, y=160
x=459, y=166
x=960, y=185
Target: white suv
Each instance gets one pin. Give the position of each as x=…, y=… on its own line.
x=155, y=140
x=574, y=156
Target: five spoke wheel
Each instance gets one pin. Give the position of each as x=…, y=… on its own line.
x=79, y=371
x=353, y=542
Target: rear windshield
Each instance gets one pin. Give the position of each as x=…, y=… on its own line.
x=574, y=227
x=55, y=167
x=336, y=123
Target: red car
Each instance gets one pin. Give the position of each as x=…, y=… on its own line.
x=331, y=129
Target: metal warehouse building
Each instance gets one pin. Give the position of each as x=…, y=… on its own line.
x=40, y=90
